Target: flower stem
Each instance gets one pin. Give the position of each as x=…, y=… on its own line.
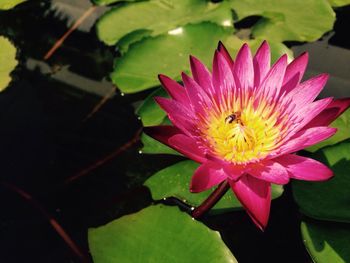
x=211, y=200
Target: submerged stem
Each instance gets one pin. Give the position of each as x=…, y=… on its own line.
x=211, y=200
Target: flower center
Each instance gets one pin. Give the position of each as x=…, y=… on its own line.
x=242, y=135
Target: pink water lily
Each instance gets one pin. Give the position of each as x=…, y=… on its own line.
x=245, y=120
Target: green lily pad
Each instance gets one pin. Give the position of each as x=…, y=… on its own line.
x=152, y=146
x=174, y=181
x=342, y=123
x=158, y=17
x=328, y=200
x=167, y=54
x=327, y=243
x=8, y=4
x=288, y=20
x=233, y=44
x=339, y=3
x=157, y=234
x=7, y=61
x=149, y=111
x=108, y=2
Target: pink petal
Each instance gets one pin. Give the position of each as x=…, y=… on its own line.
x=188, y=147
x=271, y=85
x=222, y=77
x=162, y=133
x=244, y=69
x=333, y=110
x=295, y=72
x=269, y=171
x=261, y=63
x=178, y=114
x=174, y=89
x=255, y=196
x=306, y=138
x=206, y=176
x=307, y=91
x=304, y=115
x=174, y=138
x=223, y=51
x=201, y=75
x=303, y=168
x=197, y=96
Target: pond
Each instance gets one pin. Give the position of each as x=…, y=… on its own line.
x=80, y=163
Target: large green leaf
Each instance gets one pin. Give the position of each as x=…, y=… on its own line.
x=328, y=200
x=174, y=181
x=149, y=111
x=327, y=243
x=167, y=54
x=8, y=4
x=7, y=61
x=108, y=2
x=157, y=17
x=287, y=20
x=339, y=3
x=342, y=123
x=152, y=146
x=157, y=234
x=233, y=44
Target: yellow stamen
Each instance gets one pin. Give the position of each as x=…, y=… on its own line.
x=242, y=134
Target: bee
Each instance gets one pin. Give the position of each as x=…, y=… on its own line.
x=235, y=116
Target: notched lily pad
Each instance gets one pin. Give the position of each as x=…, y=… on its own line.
x=168, y=54
x=149, y=111
x=8, y=4
x=7, y=61
x=108, y=2
x=339, y=3
x=157, y=234
x=328, y=200
x=158, y=17
x=342, y=123
x=174, y=181
x=288, y=20
x=327, y=243
x=152, y=146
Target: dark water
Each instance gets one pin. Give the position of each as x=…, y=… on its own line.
x=44, y=141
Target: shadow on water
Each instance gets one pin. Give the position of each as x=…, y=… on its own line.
x=44, y=142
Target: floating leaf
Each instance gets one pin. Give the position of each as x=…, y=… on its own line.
x=339, y=3
x=342, y=123
x=108, y=2
x=157, y=234
x=288, y=20
x=8, y=4
x=327, y=243
x=174, y=181
x=149, y=111
x=233, y=44
x=167, y=54
x=158, y=17
x=152, y=146
x=7, y=61
x=328, y=200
